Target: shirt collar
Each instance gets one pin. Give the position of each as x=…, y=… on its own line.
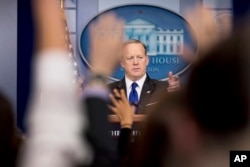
x=140, y=82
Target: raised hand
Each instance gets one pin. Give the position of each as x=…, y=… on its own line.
x=204, y=27
x=122, y=108
x=173, y=82
x=106, y=43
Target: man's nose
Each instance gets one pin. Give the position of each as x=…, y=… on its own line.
x=135, y=61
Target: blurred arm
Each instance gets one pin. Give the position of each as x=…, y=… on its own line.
x=54, y=120
x=49, y=25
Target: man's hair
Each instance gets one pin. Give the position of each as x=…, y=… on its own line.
x=136, y=41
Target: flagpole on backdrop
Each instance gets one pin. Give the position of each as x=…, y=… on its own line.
x=69, y=46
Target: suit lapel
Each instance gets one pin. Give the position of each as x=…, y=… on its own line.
x=147, y=89
x=122, y=85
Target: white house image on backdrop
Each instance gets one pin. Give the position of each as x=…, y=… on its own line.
x=158, y=41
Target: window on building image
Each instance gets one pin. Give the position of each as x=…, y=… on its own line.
x=171, y=38
x=178, y=38
x=171, y=49
x=164, y=48
x=158, y=48
x=147, y=47
x=178, y=48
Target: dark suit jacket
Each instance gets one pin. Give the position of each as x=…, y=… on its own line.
x=152, y=91
x=106, y=152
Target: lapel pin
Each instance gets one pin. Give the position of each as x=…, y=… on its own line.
x=148, y=91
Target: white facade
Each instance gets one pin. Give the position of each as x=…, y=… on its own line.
x=157, y=40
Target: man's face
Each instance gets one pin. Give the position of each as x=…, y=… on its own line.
x=134, y=61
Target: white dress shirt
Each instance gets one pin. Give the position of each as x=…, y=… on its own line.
x=139, y=82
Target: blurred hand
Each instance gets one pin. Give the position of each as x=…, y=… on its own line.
x=106, y=43
x=122, y=108
x=204, y=27
x=173, y=82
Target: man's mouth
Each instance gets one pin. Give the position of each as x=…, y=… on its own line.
x=135, y=69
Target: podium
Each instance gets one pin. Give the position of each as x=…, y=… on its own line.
x=113, y=118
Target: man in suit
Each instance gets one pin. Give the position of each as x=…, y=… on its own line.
x=134, y=60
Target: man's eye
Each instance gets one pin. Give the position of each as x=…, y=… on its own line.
x=130, y=58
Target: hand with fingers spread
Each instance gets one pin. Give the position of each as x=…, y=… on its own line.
x=204, y=27
x=122, y=108
x=173, y=82
x=106, y=43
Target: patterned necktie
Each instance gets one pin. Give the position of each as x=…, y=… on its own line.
x=133, y=96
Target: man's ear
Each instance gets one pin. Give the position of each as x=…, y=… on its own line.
x=147, y=59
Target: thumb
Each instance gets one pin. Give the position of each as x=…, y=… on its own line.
x=170, y=75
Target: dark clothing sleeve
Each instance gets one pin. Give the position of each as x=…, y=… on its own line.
x=105, y=149
x=124, y=142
